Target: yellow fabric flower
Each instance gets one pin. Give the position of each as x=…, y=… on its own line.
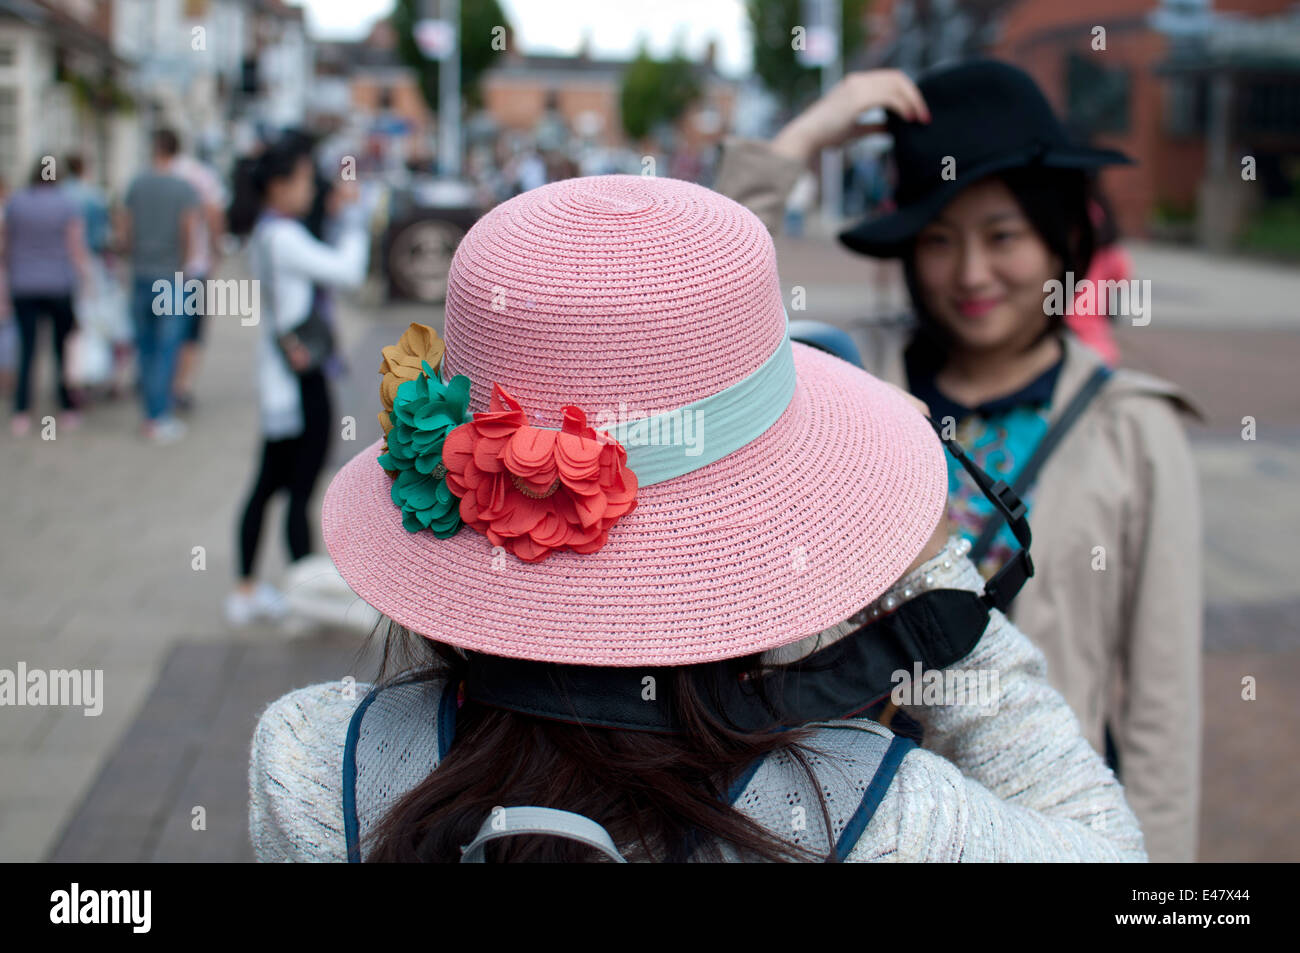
x=404, y=361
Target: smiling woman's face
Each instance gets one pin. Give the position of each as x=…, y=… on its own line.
x=981, y=267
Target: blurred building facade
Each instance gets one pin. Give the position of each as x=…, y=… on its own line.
x=1187, y=87
x=97, y=76
x=578, y=96
x=555, y=104
x=59, y=83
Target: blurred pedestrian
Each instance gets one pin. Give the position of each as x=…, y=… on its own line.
x=992, y=209
x=90, y=198
x=202, y=262
x=101, y=317
x=295, y=407
x=159, y=225
x=1090, y=320
x=44, y=250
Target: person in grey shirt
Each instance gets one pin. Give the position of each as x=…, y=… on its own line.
x=158, y=227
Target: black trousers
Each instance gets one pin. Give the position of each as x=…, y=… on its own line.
x=28, y=310
x=294, y=465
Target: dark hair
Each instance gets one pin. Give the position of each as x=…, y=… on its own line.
x=661, y=797
x=253, y=175
x=1107, y=230
x=1056, y=203
x=166, y=143
x=76, y=165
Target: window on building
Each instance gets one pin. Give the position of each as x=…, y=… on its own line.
x=1271, y=107
x=1186, y=106
x=1097, y=96
x=8, y=55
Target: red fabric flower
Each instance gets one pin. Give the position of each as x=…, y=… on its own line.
x=534, y=491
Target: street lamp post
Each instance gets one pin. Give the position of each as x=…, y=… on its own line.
x=438, y=37
x=449, y=96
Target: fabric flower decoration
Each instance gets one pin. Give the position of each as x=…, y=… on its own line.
x=404, y=361
x=534, y=491
x=424, y=412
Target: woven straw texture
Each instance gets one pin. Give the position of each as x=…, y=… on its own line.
x=651, y=293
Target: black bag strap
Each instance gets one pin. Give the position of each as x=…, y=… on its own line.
x=1055, y=434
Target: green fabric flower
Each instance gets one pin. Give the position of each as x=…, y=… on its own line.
x=425, y=410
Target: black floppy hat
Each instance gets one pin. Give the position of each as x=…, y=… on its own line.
x=988, y=117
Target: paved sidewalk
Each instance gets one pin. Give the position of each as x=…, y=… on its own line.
x=176, y=788
x=99, y=567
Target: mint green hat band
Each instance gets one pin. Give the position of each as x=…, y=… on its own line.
x=664, y=446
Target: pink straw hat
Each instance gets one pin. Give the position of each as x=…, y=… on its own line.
x=811, y=486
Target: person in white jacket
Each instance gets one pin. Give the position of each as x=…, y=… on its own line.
x=289, y=263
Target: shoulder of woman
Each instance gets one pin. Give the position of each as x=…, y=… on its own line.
x=1128, y=393
x=295, y=774
x=915, y=821
x=300, y=736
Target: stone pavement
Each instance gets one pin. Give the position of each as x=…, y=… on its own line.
x=99, y=572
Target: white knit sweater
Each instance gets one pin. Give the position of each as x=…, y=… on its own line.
x=1017, y=784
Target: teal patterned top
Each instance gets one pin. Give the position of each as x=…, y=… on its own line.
x=1000, y=435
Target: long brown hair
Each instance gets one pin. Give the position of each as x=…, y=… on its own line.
x=661, y=797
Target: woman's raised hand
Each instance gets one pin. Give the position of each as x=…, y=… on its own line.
x=833, y=119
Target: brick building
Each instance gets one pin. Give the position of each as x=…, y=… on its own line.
x=1187, y=87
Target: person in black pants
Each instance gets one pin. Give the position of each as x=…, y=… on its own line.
x=274, y=196
x=27, y=312
x=294, y=465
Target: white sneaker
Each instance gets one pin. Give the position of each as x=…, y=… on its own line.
x=166, y=430
x=240, y=609
x=270, y=602
x=264, y=602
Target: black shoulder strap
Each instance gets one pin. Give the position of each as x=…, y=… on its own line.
x=1025, y=479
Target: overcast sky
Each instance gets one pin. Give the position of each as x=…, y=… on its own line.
x=557, y=26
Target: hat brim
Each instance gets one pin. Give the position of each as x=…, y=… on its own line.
x=889, y=235
x=779, y=540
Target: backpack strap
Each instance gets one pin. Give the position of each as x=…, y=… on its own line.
x=390, y=749
x=853, y=762
x=509, y=821
x=1029, y=472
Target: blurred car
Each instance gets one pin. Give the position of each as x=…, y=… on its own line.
x=418, y=224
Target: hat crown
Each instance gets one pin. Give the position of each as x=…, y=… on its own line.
x=612, y=290
x=981, y=110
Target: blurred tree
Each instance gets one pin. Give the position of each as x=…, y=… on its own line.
x=478, y=21
x=656, y=91
x=775, y=61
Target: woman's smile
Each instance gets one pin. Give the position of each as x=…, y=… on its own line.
x=977, y=307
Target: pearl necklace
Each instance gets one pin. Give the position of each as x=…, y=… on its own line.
x=919, y=580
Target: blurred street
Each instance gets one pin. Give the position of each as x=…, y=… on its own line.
x=99, y=572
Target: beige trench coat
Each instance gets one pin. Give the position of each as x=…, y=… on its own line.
x=1116, y=601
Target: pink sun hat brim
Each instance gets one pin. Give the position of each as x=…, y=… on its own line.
x=779, y=540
